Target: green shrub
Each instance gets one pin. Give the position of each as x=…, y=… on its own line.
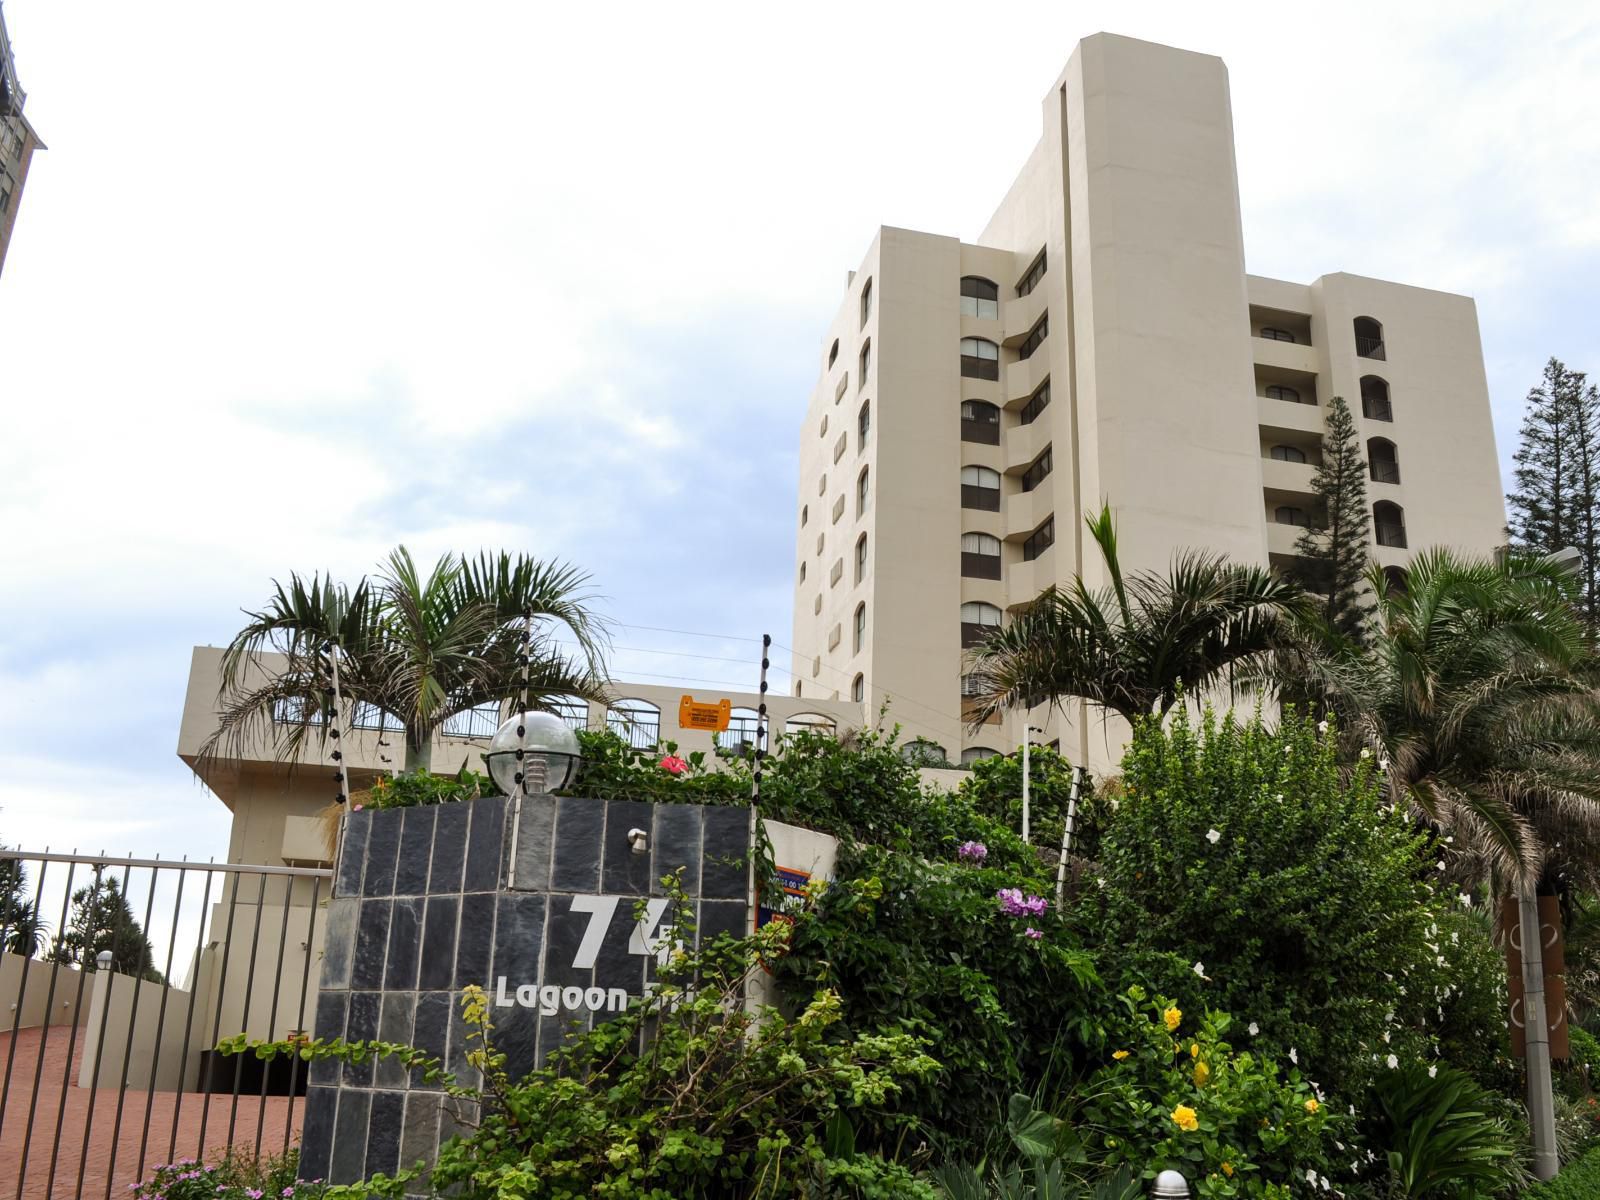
x=722, y=1102
x=994, y=789
x=415, y=788
x=1577, y=1181
x=926, y=946
x=1439, y=1136
x=1243, y=872
x=615, y=770
x=1174, y=1093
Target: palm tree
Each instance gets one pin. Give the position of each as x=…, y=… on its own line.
x=22, y=928
x=1133, y=648
x=418, y=648
x=1477, y=697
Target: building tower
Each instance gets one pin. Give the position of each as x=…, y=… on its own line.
x=17, y=142
x=1101, y=341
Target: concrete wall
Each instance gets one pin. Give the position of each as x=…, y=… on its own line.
x=135, y=1028
x=49, y=985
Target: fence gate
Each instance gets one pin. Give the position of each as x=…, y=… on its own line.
x=117, y=978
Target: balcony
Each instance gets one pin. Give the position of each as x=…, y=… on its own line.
x=1287, y=476
x=1024, y=377
x=1021, y=315
x=1024, y=444
x=1025, y=510
x=1284, y=414
x=1281, y=539
x=1286, y=356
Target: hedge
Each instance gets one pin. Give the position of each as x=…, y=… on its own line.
x=1577, y=1181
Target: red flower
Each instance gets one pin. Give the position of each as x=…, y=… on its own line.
x=673, y=765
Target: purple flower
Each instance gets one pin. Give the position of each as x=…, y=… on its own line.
x=253, y=1193
x=1014, y=904
x=288, y=1191
x=973, y=852
x=1031, y=932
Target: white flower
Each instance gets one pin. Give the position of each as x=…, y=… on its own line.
x=1213, y=836
x=1323, y=1180
x=1392, y=1061
x=1433, y=1072
x=1386, y=1037
x=1200, y=969
x=1365, y=753
x=1440, y=864
x=1383, y=763
x=1254, y=1029
x=1294, y=1056
x=1466, y=900
x=1450, y=841
x=1311, y=1176
x=1322, y=726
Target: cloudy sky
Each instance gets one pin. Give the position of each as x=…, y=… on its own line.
x=297, y=282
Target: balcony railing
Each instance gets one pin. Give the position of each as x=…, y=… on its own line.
x=1369, y=347
x=1374, y=409
x=1385, y=472
x=480, y=722
x=987, y=432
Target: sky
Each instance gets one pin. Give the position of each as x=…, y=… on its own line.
x=297, y=283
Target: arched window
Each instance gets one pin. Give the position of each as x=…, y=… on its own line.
x=809, y=722
x=1273, y=334
x=980, y=488
x=833, y=353
x=1288, y=454
x=822, y=485
x=858, y=688
x=573, y=711
x=861, y=558
x=865, y=364
x=980, y=422
x=805, y=515
x=637, y=722
x=859, y=629
x=923, y=753
x=1389, y=523
x=1277, y=391
x=980, y=556
x=863, y=423
x=974, y=754
x=1369, y=338
x=1382, y=461
x=980, y=358
x=866, y=302
x=1288, y=514
x=744, y=726
x=978, y=620
x=1375, y=399
x=1397, y=579
x=979, y=298
x=823, y=431
x=802, y=572
x=862, y=488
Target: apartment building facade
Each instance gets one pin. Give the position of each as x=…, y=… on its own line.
x=1102, y=341
x=18, y=141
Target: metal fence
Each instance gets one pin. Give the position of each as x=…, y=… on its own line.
x=118, y=977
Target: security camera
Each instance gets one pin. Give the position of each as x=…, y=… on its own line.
x=639, y=840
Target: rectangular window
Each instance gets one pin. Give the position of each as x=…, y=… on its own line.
x=5, y=201
x=980, y=566
x=1040, y=540
x=1035, y=336
x=866, y=303
x=976, y=496
x=1031, y=280
x=1036, y=404
x=1037, y=470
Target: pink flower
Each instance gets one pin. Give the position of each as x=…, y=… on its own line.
x=673, y=765
x=1031, y=932
x=974, y=852
x=355, y=808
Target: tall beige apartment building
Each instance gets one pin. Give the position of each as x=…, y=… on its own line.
x=18, y=141
x=1102, y=341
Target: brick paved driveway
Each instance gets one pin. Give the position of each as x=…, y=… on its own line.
x=29, y=1177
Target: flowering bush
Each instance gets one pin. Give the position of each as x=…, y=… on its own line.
x=973, y=852
x=1176, y=1094
x=1243, y=871
x=233, y=1177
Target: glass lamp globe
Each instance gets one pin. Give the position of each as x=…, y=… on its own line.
x=1170, y=1185
x=549, y=753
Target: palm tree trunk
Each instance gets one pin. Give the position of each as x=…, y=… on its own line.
x=419, y=753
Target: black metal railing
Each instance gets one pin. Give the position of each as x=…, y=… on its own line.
x=1369, y=347
x=1391, y=534
x=1385, y=472
x=641, y=729
x=108, y=1036
x=480, y=722
x=1374, y=409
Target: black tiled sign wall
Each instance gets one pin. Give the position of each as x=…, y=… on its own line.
x=428, y=900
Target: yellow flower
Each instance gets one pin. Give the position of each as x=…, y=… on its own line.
x=1120, y=1055
x=1172, y=1016
x=1227, y=1169
x=1312, y=1105
x=1184, y=1118
x=1194, y=1050
x=1201, y=1074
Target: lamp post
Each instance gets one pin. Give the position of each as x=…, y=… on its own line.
x=1027, y=777
x=533, y=752
x=1170, y=1185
